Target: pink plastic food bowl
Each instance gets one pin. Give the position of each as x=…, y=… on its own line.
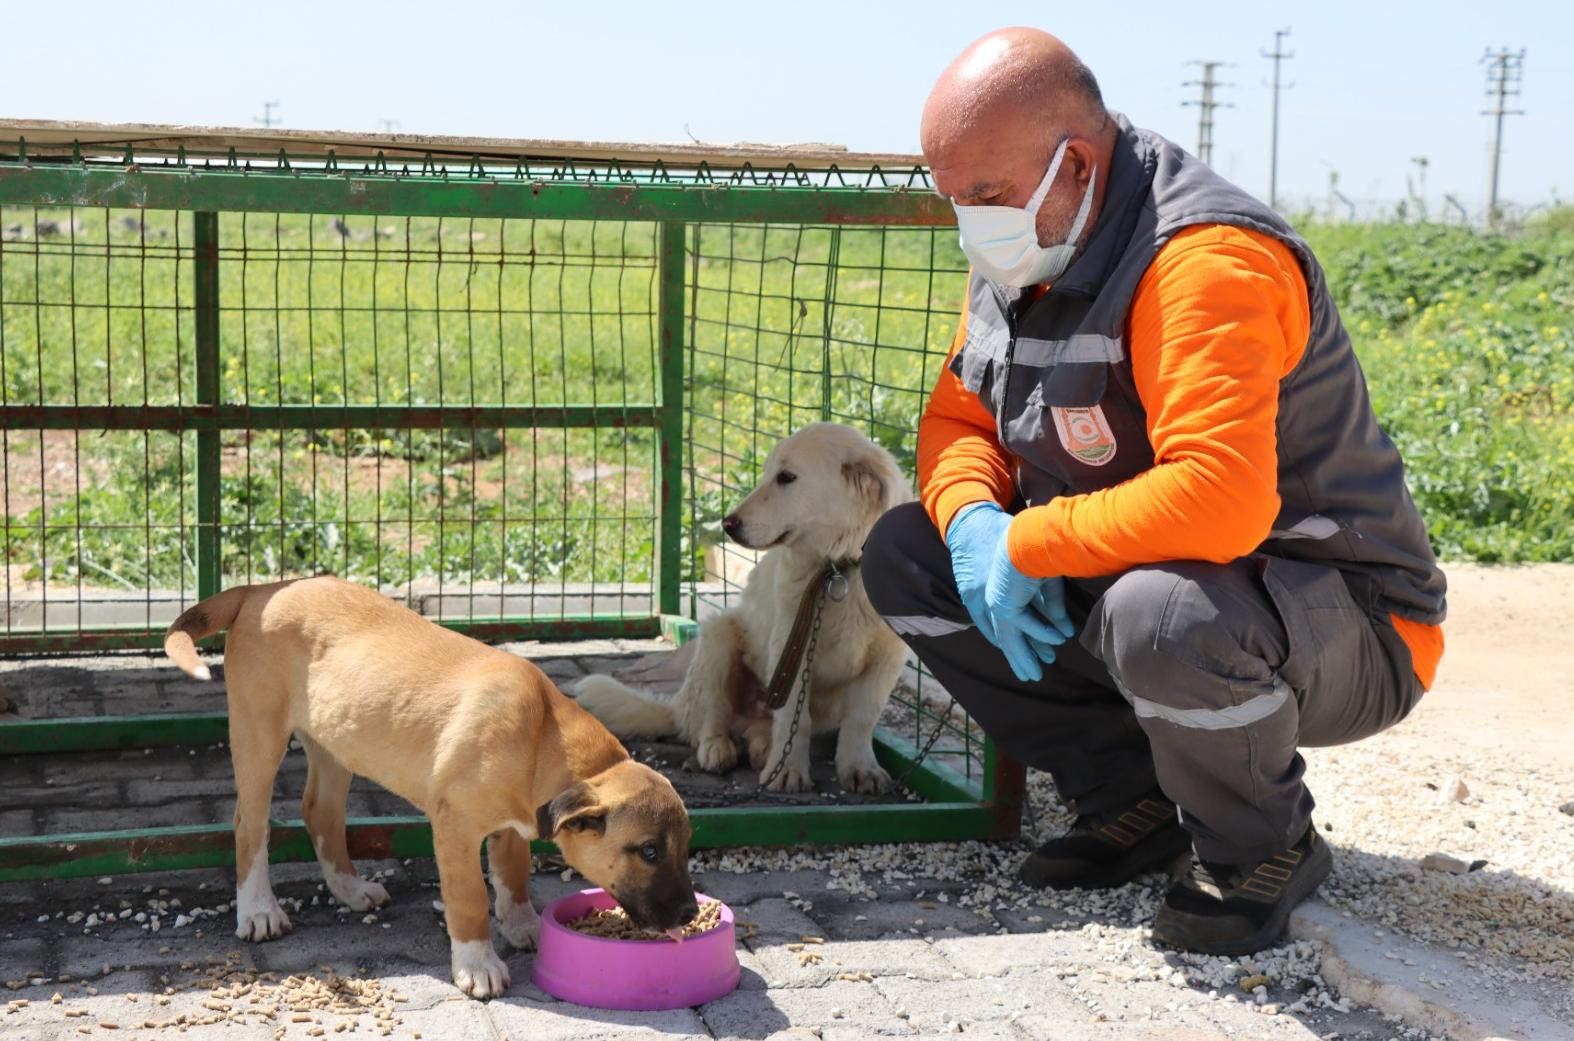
x=631, y=974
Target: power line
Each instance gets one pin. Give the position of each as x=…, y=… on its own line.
x=1505, y=70
x=1206, y=104
x=266, y=119
x=1278, y=54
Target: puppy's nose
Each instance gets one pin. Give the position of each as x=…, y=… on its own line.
x=731, y=523
x=688, y=912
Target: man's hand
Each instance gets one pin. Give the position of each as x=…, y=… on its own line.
x=972, y=537
x=998, y=597
x=1027, y=641
x=1050, y=603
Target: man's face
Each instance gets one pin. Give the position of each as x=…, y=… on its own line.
x=1004, y=169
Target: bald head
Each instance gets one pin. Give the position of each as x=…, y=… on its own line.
x=1012, y=78
x=997, y=114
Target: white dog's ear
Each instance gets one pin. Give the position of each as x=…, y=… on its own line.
x=869, y=477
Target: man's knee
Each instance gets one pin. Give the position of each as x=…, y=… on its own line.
x=896, y=545
x=1187, y=634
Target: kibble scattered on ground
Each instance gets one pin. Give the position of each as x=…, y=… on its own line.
x=917, y=938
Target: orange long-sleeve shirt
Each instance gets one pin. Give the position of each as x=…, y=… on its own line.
x=1218, y=320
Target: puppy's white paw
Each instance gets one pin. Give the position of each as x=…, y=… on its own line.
x=716, y=754
x=794, y=777
x=261, y=920
x=478, y=971
x=863, y=775
x=519, y=924
x=356, y=893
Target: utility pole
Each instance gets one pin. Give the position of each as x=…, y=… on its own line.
x=386, y=125
x=266, y=119
x=1278, y=54
x=1419, y=196
x=1504, y=71
x=1206, y=104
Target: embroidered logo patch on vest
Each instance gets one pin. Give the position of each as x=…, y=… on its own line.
x=1085, y=433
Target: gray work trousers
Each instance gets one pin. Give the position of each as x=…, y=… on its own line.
x=1201, y=678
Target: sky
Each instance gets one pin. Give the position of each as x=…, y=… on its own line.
x=1373, y=84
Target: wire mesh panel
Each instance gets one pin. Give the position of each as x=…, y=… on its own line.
x=96, y=308
x=793, y=324
x=457, y=411
x=516, y=394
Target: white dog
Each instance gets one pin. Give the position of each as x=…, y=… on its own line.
x=823, y=489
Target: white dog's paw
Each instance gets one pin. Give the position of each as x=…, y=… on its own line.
x=478, y=971
x=519, y=924
x=261, y=920
x=356, y=893
x=759, y=751
x=863, y=775
x=716, y=754
x=794, y=777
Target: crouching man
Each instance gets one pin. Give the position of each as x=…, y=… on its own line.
x=1162, y=541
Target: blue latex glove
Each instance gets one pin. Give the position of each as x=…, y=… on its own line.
x=1050, y=603
x=997, y=595
x=972, y=537
x=1022, y=635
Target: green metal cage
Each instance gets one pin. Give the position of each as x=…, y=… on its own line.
x=514, y=384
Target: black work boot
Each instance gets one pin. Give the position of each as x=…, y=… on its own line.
x=1109, y=849
x=1232, y=909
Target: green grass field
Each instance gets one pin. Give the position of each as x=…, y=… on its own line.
x=1463, y=337
x=1468, y=348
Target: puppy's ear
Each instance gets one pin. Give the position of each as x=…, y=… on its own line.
x=868, y=475
x=575, y=808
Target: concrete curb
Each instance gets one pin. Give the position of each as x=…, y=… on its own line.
x=1424, y=985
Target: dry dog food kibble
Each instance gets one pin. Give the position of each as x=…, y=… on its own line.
x=612, y=923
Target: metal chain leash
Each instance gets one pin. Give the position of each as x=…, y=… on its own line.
x=934, y=736
x=836, y=588
x=803, y=676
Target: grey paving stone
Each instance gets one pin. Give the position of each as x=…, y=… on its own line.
x=747, y=1014
x=998, y=1031
x=996, y=955
x=142, y=951
x=744, y=888
x=1033, y=919
x=517, y=1016
x=601, y=664
x=562, y=671
x=323, y=936
x=776, y=920
x=797, y=1034
x=752, y=971
x=756, y=1014
x=931, y=1005
x=873, y=920
x=448, y=1021
x=21, y=956
x=787, y=968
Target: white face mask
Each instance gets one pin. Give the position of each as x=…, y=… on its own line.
x=1002, y=241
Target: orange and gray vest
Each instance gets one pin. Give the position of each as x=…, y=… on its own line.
x=1055, y=374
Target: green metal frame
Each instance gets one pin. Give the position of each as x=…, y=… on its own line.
x=958, y=807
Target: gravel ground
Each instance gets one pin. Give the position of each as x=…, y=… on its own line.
x=1478, y=773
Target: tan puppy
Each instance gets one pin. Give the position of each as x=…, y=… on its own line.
x=822, y=490
x=477, y=738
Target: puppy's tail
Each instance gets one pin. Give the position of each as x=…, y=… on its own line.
x=212, y=615
x=623, y=710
